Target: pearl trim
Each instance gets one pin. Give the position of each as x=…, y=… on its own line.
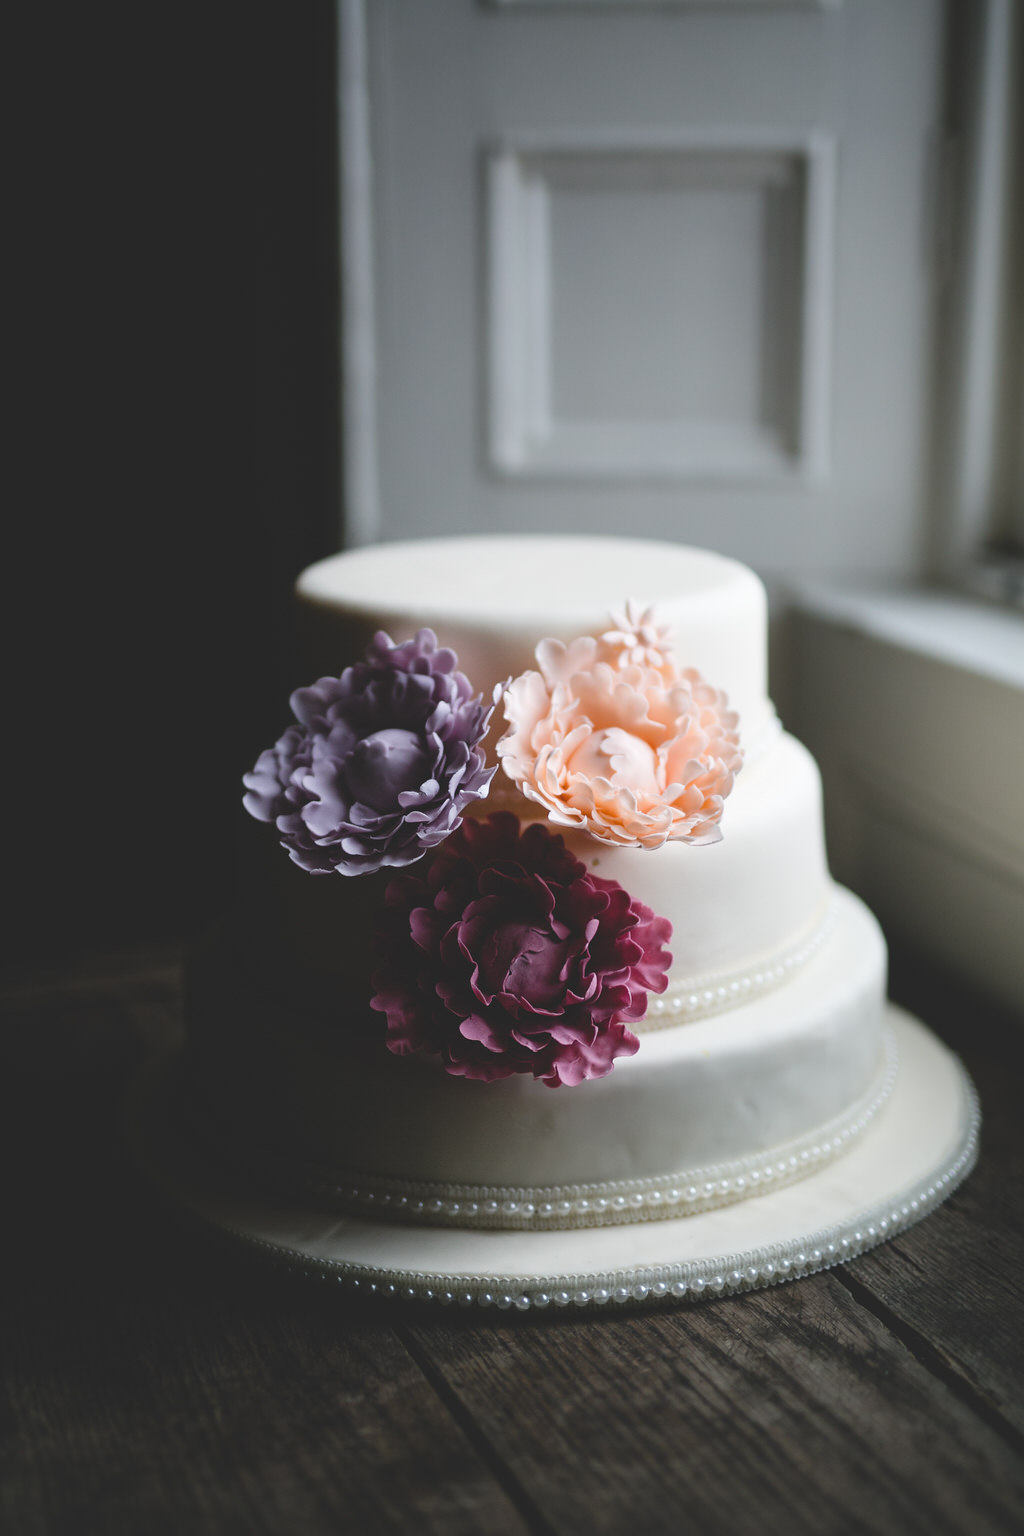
x=565, y=1207
x=699, y=997
x=725, y=1275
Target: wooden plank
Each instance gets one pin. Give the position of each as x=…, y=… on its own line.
x=210, y=1412
x=786, y=1410
x=154, y=1385
x=953, y=1286
x=108, y=973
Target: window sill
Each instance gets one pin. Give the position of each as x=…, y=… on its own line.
x=913, y=703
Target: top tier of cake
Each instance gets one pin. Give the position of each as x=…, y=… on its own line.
x=492, y=598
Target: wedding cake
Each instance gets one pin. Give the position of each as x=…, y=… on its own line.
x=541, y=934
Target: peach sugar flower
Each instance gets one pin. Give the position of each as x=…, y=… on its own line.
x=610, y=736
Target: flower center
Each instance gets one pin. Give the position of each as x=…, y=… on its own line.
x=617, y=755
x=522, y=961
x=384, y=764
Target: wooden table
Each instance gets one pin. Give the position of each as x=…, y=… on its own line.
x=155, y=1384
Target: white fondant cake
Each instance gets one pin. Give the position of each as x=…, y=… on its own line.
x=763, y=1056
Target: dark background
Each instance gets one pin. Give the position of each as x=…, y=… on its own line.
x=174, y=446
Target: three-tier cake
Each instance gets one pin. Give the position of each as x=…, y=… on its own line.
x=548, y=987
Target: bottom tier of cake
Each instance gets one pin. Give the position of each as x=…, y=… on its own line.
x=705, y=1114
x=911, y=1157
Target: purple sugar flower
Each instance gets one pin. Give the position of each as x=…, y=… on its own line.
x=383, y=760
x=507, y=955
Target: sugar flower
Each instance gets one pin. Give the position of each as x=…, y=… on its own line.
x=636, y=640
x=381, y=762
x=506, y=955
x=612, y=737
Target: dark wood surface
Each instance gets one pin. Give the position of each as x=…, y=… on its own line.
x=155, y=1384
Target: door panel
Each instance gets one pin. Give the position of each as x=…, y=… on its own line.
x=656, y=269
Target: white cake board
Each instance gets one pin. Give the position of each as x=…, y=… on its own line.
x=914, y=1154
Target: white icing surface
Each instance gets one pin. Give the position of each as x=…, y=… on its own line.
x=493, y=598
x=713, y=1091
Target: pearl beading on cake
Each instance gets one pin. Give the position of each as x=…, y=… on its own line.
x=591, y=1205
x=702, y=996
x=725, y=1275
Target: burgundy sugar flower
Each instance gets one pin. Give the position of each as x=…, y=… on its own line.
x=382, y=763
x=507, y=955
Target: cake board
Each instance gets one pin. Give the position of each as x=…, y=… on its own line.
x=914, y=1154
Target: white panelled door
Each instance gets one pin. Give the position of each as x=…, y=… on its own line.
x=661, y=269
